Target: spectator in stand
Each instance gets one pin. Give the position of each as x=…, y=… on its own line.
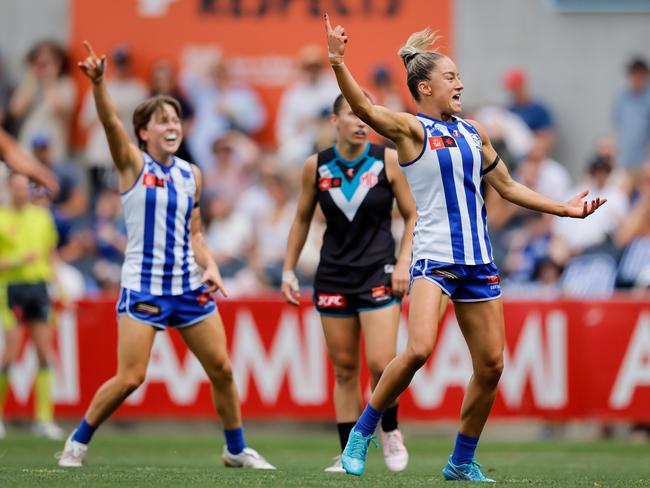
x=303, y=108
x=637, y=222
x=233, y=161
x=270, y=230
x=126, y=91
x=536, y=114
x=632, y=121
x=540, y=173
x=385, y=92
x=5, y=93
x=44, y=99
x=597, y=232
x=228, y=235
x=163, y=82
x=221, y=104
x=109, y=231
x=69, y=205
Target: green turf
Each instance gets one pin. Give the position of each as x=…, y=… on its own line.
x=193, y=460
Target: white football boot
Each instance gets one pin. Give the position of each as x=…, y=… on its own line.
x=73, y=454
x=337, y=467
x=396, y=456
x=248, y=458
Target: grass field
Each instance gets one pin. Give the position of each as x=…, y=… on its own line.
x=193, y=460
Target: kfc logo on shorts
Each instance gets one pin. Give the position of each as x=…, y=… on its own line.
x=369, y=179
x=330, y=301
x=204, y=299
x=493, y=280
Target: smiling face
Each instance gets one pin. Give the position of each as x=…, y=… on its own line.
x=163, y=133
x=350, y=128
x=442, y=91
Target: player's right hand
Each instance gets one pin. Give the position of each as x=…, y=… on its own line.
x=290, y=287
x=336, y=39
x=93, y=66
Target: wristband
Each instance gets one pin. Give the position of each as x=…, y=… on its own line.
x=289, y=277
x=332, y=56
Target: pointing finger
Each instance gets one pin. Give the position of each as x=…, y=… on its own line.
x=89, y=48
x=328, y=26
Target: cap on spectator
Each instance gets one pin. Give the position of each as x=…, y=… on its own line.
x=514, y=78
x=40, y=140
x=381, y=74
x=121, y=54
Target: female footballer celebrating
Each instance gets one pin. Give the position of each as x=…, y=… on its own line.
x=446, y=160
x=162, y=283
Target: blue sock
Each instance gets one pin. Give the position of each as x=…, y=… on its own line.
x=84, y=432
x=235, y=440
x=368, y=421
x=464, y=449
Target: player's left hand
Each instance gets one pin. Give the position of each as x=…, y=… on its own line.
x=579, y=208
x=400, y=279
x=212, y=279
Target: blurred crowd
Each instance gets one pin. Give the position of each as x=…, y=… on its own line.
x=250, y=189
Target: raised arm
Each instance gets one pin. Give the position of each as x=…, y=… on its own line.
x=21, y=162
x=497, y=175
x=397, y=126
x=125, y=155
x=299, y=230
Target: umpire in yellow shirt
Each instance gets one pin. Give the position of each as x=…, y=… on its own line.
x=28, y=241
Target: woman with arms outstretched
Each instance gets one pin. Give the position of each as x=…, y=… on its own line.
x=446, y=160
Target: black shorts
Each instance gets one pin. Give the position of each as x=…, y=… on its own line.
x=29, y=301
x=376, y=294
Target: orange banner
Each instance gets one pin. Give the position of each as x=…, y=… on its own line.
x=260, y=37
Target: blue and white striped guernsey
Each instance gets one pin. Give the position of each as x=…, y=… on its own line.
x=159, y=259
x=445, y=180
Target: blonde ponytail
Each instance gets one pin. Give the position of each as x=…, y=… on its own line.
x=419, y=57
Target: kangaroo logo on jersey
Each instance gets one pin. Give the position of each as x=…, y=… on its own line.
x=324, y=300
x=349, y=195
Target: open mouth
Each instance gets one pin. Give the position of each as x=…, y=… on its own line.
x=456, y=97
x=171, y=136
x=360, y=133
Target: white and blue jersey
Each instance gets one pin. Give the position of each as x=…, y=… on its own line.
x=445, y=181
x=159, y=259
x=451, y=246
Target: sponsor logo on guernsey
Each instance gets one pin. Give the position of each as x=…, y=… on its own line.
x=325, y=184
x=369, y=179
x=389, y=268
x=324, y=300
x=441, y=142
x=147, y=308
x=350, y=172
x=456, y=134
x=150, y=180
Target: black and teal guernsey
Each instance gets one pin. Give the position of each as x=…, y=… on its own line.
x=356, y=199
